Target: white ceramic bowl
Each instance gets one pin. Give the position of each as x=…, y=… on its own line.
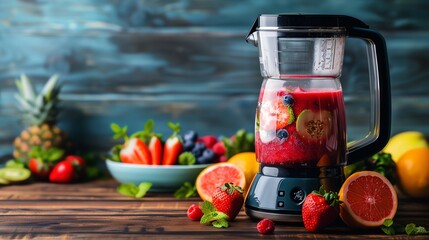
x=163, y=178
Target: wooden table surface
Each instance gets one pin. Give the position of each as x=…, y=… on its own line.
x=94, y=210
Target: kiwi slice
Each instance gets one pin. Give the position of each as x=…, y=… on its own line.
x=314, y=125
x=3, y=181
x=15, y=174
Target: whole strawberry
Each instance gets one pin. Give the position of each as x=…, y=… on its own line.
x=320, y=209
x=228, y=199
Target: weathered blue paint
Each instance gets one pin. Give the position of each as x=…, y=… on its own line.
x=186, y=61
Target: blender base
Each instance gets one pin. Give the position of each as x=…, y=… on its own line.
x=280, y=198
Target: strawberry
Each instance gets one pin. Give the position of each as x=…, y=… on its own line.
x=39, y=168
x=173, y=146
x=63, y=172
x=42, y=161
x=228, y=199
x=135, y=151
x=320, y=209
x=79, y=165
x=208, y=140
x=155, y=148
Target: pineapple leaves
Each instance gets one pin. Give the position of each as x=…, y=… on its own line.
x=41, y=108
x=26, y=88
x=49, y=87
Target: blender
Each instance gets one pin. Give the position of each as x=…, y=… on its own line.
x=300, y=124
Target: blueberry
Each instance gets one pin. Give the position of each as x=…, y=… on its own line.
x=198, y=149
x=282, y=134
x=188, y=145
x=208, y=156
x=288, y=100
x=191, y=136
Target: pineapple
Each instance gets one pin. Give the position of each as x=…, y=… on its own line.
x=39, y=112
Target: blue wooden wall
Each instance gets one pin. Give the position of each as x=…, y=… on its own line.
x=186, y=61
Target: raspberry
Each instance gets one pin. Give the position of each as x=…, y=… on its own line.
x=265, y=226
x=219, y=148
x=223, y=158
x=208, y=140
x=194, y=212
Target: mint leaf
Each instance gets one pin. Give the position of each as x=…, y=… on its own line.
x=142, y=189
x=187, y=158
x=220, y=223
x=420, y=230
x=218, y=219
x=53, y=154
x=208, y=207
x=187, y=190
x=148, y=126
x=411, y=229
x=388, y=222
x=119, y=132
x=243, y=142
x=220, y=216
x=131, y=190
x=127, y=189
x=115, y=127
x=207, y=217
x=175, y=127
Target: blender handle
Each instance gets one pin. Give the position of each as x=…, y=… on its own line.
x=379, y=77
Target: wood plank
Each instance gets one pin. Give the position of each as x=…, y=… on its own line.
x=95, y=210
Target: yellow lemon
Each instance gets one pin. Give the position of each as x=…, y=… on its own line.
x=246, y=161
x=405, y=141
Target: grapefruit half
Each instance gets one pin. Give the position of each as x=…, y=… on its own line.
x=217, y=175
x=368, y=198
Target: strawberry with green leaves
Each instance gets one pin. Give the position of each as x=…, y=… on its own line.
x=134, y=150
x=320, y=209
x=42, y=161
x=173, y=147
x=228, y=199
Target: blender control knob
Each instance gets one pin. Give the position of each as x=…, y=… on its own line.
x=297, y=195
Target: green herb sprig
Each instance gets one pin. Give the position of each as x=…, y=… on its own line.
x=391, y=228
x=187, y=190
x=131, y=190
x=213, y=217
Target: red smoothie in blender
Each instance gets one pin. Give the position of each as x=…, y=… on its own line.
x=300, y=127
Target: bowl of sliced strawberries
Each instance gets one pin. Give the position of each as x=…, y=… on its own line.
x=168, y=163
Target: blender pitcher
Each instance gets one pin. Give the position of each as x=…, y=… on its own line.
x=300, y=124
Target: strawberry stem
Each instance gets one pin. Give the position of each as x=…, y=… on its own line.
x=330, y=197
x=230, y=188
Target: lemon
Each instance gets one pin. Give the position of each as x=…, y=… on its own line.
x=403, y=142
x=246, y=161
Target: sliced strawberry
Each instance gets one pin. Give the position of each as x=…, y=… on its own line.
x=208, y=140
x=135, y=151
x=172, y=149
x=275, y=115
x=155, y=148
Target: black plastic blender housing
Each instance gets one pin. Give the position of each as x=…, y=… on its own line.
x=277, y=192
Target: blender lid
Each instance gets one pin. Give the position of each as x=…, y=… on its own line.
x=304, y=21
